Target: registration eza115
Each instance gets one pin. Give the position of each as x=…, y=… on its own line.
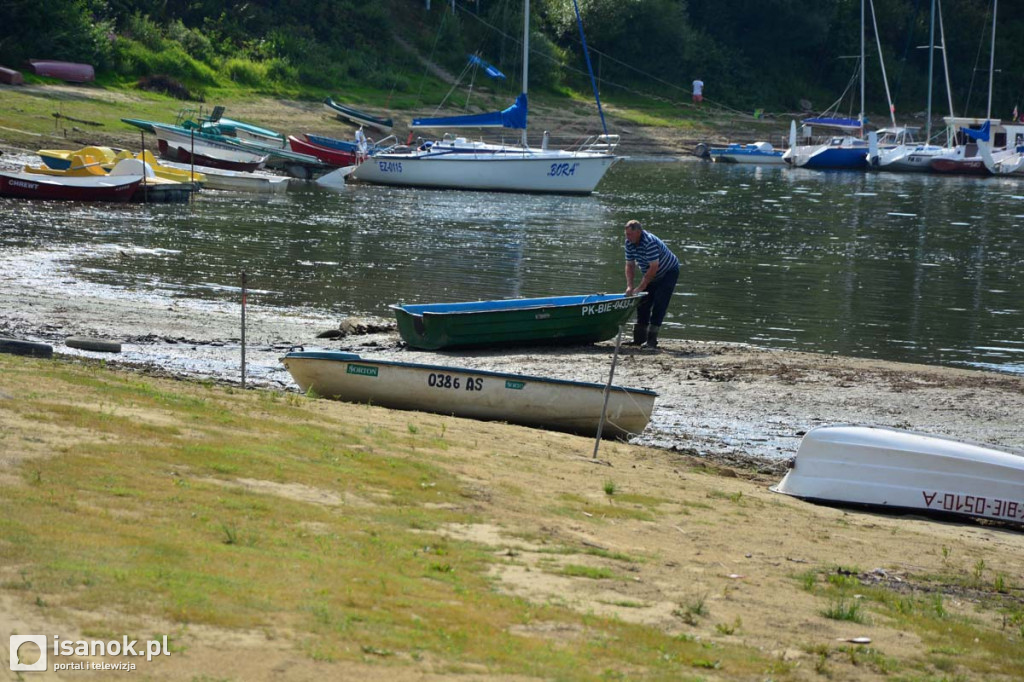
x=455, y=383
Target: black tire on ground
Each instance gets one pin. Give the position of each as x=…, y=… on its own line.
x=88, y=343
x=701, y=150
x=28, y=348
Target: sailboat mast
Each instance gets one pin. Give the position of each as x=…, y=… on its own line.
x=931, y=76
x=945, y=66
x=862, y=68
x=526, y=51
x=992, y=58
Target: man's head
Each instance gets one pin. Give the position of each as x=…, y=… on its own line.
x=634, y=231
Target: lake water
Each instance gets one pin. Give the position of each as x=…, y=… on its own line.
x=914, y=268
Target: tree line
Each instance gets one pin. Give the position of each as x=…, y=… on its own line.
x=770, y=54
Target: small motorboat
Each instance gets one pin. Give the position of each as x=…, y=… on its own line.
x=556, y=404
x=907, y=471
x=756, y=153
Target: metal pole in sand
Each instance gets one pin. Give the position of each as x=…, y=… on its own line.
x=145, y=186
x=243, y=329
x=192, y=157
x=607, y=388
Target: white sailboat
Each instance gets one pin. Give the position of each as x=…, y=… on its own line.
x=910, y=157
x=455, y=162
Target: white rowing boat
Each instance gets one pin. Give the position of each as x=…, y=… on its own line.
x=907, y=471
x=557, y=404
x=237, y=181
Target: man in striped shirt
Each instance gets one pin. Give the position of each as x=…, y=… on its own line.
x=660, y=269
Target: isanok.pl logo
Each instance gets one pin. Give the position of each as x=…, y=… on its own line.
x=23, y=652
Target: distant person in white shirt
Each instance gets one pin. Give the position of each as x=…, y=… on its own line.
x=698, y=91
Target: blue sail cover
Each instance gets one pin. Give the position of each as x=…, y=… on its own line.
x=488, y=69
x=845, y=123
x=981, y=134
x=513, y=117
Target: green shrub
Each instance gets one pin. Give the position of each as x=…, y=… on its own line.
x=133, y=58
x=246, y=72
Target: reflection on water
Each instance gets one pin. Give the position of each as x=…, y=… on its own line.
x=904, y=267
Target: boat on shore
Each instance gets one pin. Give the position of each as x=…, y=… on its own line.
x=11, y=76
x=69, y=72
x=178, y=144
x=358, y=118
x=907, y=471
x=552, y=320
x=555, y=404
x=337, y=153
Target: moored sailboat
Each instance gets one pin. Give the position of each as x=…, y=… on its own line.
x=455, y=162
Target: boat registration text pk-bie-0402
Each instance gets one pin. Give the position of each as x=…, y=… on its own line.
x=607, y=307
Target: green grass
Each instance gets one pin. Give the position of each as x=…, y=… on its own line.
x=142, y=514
x=957, y=641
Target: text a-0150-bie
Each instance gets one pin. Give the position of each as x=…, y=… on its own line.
x=972, y=504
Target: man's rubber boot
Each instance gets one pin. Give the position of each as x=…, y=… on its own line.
x=639, y=335
x=652, y=336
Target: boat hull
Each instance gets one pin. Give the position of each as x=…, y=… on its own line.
x=555, y=320
x=759, y=154
x=181, y=154
x=502, y=172
x=358, y=118
x=838, y=158
x=907, y=471
x=32, y=186
x=11, y=76
x=238, y=181
x=334, y=157
x=570, y=406
x=973, y=166
x=69, y=72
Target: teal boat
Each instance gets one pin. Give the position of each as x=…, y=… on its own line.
x=553, y=320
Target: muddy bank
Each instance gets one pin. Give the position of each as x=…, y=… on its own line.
x=737, y=404
x=674, y=136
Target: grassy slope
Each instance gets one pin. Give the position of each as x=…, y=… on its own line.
x=149, y=506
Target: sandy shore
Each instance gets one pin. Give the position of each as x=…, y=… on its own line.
x=735, y=404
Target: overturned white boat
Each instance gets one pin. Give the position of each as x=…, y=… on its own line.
x=907, y=471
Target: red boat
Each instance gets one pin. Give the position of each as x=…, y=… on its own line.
x=329, y=155
x=65, y=71
x=10, y=76
x=73, y=188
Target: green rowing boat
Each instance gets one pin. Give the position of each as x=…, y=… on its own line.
x=554, y=320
